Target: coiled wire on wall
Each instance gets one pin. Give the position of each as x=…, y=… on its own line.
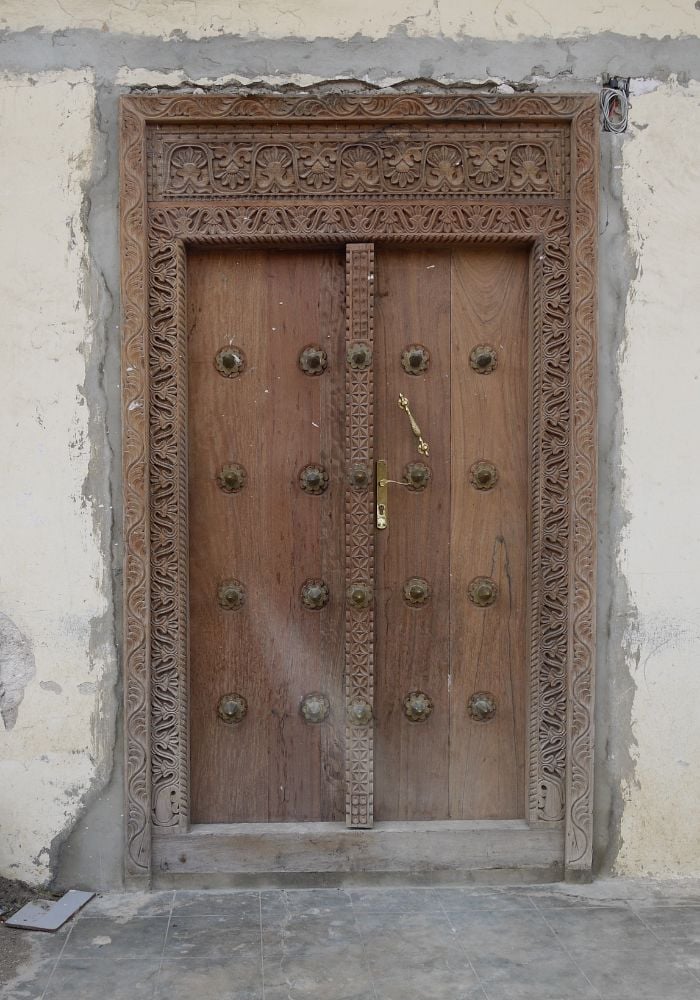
x=614, y=105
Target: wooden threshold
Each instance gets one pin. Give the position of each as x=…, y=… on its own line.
x=212, y=855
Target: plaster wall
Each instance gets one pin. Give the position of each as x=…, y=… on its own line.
x=660, y=545
x=62, y=68
x=508, y=20
x=57, y=724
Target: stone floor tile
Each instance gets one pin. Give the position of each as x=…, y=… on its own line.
x=124, y=905
x=652, y=972
x=532, y=974
x=331, y=970
x=395, y=900
x=27, y=959
x=103, y=979
x=117, y=938
x=433, y=983
x=210, y=937
x=490, y=931
x=275, y=904
x=242, y=904
x=672, y=923
x=461, y=899
x=591, y=926
x=212, y=978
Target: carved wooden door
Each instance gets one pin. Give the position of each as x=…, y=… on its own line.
x=358, y=592
x=325, y=624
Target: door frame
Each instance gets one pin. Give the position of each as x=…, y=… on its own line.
x=250, y=170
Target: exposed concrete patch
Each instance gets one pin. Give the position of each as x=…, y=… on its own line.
x=17, y=669
x=566, y=60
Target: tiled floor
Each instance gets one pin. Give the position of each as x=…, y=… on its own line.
x=615, y=940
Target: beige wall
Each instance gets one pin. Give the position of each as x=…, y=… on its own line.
x=508, y=20
x=54, y=584
x=660, y=549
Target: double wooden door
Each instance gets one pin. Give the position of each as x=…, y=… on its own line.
x=341, y=670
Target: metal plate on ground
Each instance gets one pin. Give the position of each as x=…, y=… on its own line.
x=43, y=915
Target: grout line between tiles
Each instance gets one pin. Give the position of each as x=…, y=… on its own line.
x=563, y=947
x=58, y=959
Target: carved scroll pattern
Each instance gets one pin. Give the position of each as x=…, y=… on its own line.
x=359, y=537
x=551, y=329
x=339, y=107
x=456, y=162
x=579, y=786
x=566, y=354
x=550, y=519
x=169, y=736
x=137, y=711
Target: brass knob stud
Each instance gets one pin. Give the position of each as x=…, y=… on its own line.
x=416, y=591
x=359, y=355
x=313, y=479
x=483, y=475
x=359, y=477
x=415, y=359
x=232, y=708
x=359, y=596
x=417, y=476
x=417, y=706
x=313, y=360
x=231, y=595
x=359, y=713
x=315, y=707
x=230, y=361
x=483, y=359
x=481, y=706
x=232, y=478
x=315, y=594
x=483, y=591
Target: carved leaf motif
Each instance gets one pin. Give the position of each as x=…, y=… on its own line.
x=359, y=166
x=402, y=164
x=189, y=170
x=529, y=168
x=487, y=164
x=232, y=165
x=445, y=171
x=317, y=165
x=274, y=169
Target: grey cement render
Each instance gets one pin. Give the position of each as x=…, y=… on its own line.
x=91, y=855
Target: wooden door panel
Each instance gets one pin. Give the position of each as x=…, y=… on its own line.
x=271, y=536
x=489, y=533
x=412, y=643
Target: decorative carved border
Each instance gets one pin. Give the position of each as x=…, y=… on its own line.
x=562, y=234
x=359, y=538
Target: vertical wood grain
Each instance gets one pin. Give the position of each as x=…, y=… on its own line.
x=271, y=536
x=412, y=758
x=489, y=533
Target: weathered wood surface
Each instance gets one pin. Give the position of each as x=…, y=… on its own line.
x=271, y=536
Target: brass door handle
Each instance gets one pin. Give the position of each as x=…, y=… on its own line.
x=422, y=445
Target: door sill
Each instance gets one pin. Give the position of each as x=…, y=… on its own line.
x=329, y=854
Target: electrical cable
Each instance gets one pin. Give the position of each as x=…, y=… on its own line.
x=614, y=106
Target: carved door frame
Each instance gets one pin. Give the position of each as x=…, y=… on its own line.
x=252, y=170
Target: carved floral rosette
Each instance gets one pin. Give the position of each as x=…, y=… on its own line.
x=255, y=170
